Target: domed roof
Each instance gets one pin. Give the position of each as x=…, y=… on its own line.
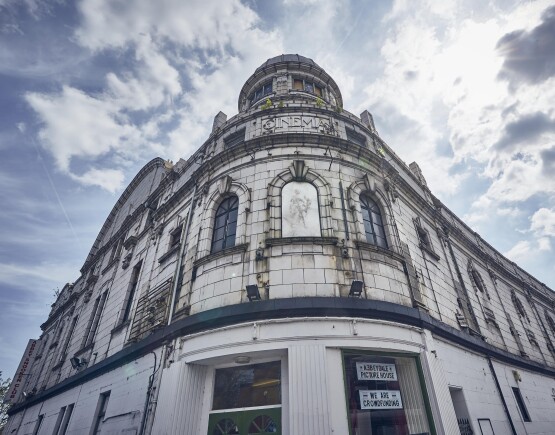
x=287, y=58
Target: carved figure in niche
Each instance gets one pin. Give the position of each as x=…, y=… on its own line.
x=300, y=210
x=299, y=206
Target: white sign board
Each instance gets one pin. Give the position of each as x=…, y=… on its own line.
x=376, y=372
x=380, y=399
x=16, y=387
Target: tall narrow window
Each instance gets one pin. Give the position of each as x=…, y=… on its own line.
x=131, y=292
x=65, y=421
x=521, y=404
x=225, y=224
x=373, y=223
x=69, y=334
x=62, y=421
x=38, y=424
x=95, y=319
x=100, y=413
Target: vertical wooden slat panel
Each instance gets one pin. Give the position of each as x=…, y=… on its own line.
x=180, y=400
x=308, y=399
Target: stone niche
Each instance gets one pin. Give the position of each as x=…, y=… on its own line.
x=300, y=210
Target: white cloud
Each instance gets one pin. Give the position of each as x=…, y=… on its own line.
x=520, y=251
x=109, y=179
x=543, y=222
x=76, y=124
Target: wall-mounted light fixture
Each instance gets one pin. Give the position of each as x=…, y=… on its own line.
x=252, y=293
x=77, y=362
x=242, y=359
x=356, y=288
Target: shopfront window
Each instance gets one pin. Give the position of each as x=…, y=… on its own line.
x=384, y=396
x=247, y=400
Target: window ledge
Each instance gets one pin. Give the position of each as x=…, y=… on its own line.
x=110, y=265
x=120, y=327
x=169, y=254
x=299, y=240
x=58, y=365
x=375, y=248
x=223, y=253
x=429, y=251
x=84, y=349
x=307, y=93
x=262, y=98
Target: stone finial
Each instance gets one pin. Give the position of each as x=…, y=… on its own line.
x=368, y=120
x=415, y=169
x=219, y=120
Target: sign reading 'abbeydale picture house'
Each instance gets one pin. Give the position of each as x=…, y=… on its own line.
x=378, y=399
x=297, y=124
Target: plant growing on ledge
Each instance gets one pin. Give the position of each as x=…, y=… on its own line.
x=319, y=102
x=267, y=104
x=280, y=105
x=338, y=109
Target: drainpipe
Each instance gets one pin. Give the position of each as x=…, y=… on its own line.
x=149, y=392
x=184, y=238
x=501, y=395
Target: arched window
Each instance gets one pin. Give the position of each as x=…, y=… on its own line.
x=373, y=224
x=225, y=224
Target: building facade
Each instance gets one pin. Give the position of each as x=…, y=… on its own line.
x=293, y=276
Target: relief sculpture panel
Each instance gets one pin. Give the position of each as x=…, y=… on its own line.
x=300, y=210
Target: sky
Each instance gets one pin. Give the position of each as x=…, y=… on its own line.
x=91, y=90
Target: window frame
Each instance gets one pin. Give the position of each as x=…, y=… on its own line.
x=355, y=137
x=261, y=91
x=94, y=320
x=234, y=139
x=100, y=412
x=363, y=200
x=521, y=405
x=419, y=369
x=233, y=200
x=282, y=408
x=131, y=292
x=310, y=82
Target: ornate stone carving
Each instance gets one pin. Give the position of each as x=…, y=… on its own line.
x=299, y=170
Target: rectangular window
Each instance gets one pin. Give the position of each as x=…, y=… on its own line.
x=262, y=91
x=247, y=399
x=62, y=421
x=65, y=421
x=59, y=420
x=235, y=139
x=248, y=386
x=175, y=236
x=38, y=424
x=101, y=408
x=132, y=289
x=307, y=86
x=354, y=137
x=384, y=395
x=69, y=334
x=521, y=405
x=95, y=318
